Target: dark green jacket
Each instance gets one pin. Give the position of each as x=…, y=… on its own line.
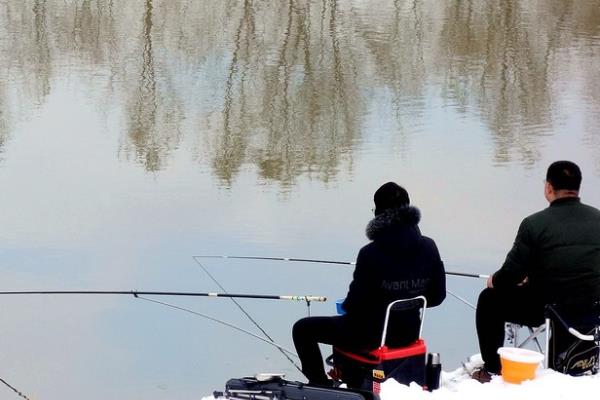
x=558, y=249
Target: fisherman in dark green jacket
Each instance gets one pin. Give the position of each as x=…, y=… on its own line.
x=555, y=259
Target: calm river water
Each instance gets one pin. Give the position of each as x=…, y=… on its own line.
x=135, y=134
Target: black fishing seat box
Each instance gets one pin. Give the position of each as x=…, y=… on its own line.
x=367, y=369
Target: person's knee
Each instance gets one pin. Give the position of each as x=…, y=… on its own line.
x=487, y=298
x=300, y=327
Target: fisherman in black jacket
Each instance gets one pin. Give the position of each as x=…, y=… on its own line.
x=555, y=259
x=399, y=263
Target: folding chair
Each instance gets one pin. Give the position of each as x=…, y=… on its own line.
x=572, y=342
x=512, y=335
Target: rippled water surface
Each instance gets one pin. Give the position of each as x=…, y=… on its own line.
x=135, y=134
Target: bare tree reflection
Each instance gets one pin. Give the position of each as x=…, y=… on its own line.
x=153, y=140
x=500, y=57
x=4, y=98
x=25, y=58
x=397, y=42
x=495, y=61
x=4, y=119
x=283, y=87
x=92, y=30
x=231, y=145
x=41, y=61
x=291, y=101
x=587, y=17
x=591, y=89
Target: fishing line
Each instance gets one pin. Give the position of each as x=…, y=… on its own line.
x=138, y=294
x=228, y=324
x=246, y=313
x=461, y=299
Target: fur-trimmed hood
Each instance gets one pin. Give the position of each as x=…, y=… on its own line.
x=392, y=219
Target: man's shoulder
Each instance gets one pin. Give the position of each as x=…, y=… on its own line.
x=590, y=209
x=537, y=219
x=537, y=215
x=548, y=212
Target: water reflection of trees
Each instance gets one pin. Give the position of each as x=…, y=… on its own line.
x=4, y=119
x=592, y=91
x=25, y=56
x=586, y=42
x=26, y=48
x=152, y=122
x=500, y=56
x=291, y=101
x=288, y=82
x=396, y=42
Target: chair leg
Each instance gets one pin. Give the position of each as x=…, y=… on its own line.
x=535, y=333
x=510, y=330
x=546, y=359
x=512, y=335
x=533, y=336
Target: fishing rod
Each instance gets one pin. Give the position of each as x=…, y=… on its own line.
x=137, y=293
x=14, y=389
x=310, y=260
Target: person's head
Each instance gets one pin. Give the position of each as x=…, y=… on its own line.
x=563, y=179
x=390, y=195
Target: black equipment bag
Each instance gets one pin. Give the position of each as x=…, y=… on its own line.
x=569, y=354
x=276, y=387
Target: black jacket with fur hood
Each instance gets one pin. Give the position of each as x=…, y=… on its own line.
x=398, y=263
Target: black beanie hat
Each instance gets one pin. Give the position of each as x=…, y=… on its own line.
x=390, y=195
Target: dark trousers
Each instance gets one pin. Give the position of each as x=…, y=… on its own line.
x=309, y=332
x=497, y=306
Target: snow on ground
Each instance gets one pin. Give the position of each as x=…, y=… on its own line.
x=548, y=385
x=457, y=385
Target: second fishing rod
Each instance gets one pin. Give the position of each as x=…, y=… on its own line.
x=317, y=261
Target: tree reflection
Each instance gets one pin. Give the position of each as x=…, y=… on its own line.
x=587, y=17
x=149, y=128
x=4, y=119
x=41, y=61
x=501, y=57
x=25, y=57
x=397, y=43
x=494, y=61
x=290, y=102
x=93, y=31
x=283, y=87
